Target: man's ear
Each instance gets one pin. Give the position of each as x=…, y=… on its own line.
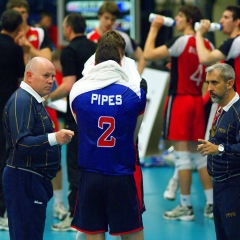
x=28, y=76
x=230, y=83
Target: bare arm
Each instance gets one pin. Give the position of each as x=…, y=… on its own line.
x=206, y=56
x=45, y=52
x=64, y=89
x=138, y=56
x=150, y=51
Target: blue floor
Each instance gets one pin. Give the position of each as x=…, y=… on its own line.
x=155, y=227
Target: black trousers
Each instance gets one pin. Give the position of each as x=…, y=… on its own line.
x=3, y=158
x=72, y=167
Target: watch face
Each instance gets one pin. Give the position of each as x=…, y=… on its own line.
x=220, y=148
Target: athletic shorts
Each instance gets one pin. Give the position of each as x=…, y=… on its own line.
x=138, y=178
x=184, y=118
x=107, y=203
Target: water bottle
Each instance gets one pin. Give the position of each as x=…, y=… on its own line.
x=213, y=26
x=167, y=21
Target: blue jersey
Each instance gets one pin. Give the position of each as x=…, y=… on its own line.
x=106, y=119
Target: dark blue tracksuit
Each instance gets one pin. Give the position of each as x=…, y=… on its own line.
x=225, y=171
x=32, y=163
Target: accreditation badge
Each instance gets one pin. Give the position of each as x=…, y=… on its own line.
x=213, y=131
x=53, y=125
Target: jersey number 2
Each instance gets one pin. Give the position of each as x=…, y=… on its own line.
x=103, y=139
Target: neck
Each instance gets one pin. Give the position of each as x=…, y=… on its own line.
x=234, y=33
x=75, y=35
x=25, y=28
x=188, y=31
x=100, y=31
x=230, y=95
x=12, y=35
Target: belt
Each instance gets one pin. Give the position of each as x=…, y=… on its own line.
x=224, y=177
x=24, y=169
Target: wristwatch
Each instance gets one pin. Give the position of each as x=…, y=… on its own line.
x=220, y=149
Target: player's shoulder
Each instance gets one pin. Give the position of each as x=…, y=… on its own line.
x=35, y=29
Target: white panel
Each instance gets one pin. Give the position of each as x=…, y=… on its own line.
x=157, y=82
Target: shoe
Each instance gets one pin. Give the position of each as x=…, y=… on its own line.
x=208, y=211
x=4, y=223
x=64, y=225
x=180, y=213
x=59, y=211
x=172, y=187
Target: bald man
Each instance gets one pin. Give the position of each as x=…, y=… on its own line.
x=34, y=152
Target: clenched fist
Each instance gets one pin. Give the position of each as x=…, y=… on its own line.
x=64, y=136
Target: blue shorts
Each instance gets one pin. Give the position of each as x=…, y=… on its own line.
x=26, y=196
x=107, y=202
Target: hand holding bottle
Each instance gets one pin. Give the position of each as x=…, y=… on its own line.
x=166, y=21
x=206, y=26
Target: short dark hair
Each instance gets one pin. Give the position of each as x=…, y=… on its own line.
x=77, y=22
x=235, y=11
x=18, y=3
x=107, y=52
x=192, y=13
x=109, y=7
x=11, y=19
x=114, y=38
x=46, y=14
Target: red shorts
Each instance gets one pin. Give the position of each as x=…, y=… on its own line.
x=107, y=202
x=184, y=118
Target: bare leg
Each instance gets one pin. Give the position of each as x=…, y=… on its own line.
x=205, y=178
x=98, y=236
x=133, y=236
x=57, y=181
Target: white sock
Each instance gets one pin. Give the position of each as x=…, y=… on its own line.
x=58, y=196
x=185, y=200
x=209, y=196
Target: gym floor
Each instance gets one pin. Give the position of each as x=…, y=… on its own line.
x=155, y=226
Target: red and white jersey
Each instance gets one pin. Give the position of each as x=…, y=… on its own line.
x=231, y=49
x=38, y=38
x=187, y=74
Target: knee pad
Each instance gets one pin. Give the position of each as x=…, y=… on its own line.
x=182, y=160
x=199, y=160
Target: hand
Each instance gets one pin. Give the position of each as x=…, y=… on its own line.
x=204, y=26
x=157, y=22
x=207, y=148
x=46, y=102
x=169, y=66
x=64, y=136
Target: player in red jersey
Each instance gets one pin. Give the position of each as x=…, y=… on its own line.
x=35, y=38
x=229, y=50
x=107, y=15
x=184, y=113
